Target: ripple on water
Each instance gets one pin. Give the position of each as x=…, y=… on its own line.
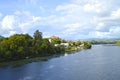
x=27, y=78
x=51, y=67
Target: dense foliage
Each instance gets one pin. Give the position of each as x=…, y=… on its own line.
x=22, y=46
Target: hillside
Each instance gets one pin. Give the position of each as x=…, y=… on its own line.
x=1, y=36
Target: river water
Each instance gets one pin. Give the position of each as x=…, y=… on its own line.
x=99, y=63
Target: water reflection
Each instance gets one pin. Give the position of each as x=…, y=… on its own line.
x=26, y=61
x=99, y=63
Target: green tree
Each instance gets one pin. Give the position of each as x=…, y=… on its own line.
x=46, y=47
x=37, y=35
x=118, y=42
x=55, y=40
x=87, y=45
x=37, y=42
x=5, y=53
x=77, y=43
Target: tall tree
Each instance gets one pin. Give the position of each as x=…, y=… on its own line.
x=37, y=42
x=37, y=35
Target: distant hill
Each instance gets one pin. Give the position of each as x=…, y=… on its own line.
x=1, y=36
x=103, y=40
x=98, y=39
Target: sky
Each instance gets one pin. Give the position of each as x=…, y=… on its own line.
x=68, y=19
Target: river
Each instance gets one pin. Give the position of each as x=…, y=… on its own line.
x=99, y=63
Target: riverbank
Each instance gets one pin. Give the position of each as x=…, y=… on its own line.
x=21, y=62
x=24, y=46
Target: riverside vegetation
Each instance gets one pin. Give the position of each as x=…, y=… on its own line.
x=23, y=46
x=118, y=42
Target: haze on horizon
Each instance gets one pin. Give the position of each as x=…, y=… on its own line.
x=69, y=19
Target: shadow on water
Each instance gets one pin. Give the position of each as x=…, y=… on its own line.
x=19, y=63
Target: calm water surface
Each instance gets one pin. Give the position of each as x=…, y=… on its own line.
x=99, y=63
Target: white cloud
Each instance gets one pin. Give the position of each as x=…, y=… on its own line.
x=100, y=26
x=67, y=7
x=115, y=14
x=8, y=23
x=102, y=34
x=12, y=32
x=19, y=22
x=1, y=15
x=93, y=7
x=72, y=28
x=115, y=30
x=78, y=18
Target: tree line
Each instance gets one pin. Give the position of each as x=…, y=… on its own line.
x=103, y=41
x=22, y=46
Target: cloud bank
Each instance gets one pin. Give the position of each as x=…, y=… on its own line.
x=77, y=19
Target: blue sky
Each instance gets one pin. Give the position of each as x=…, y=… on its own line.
x=68, y=19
